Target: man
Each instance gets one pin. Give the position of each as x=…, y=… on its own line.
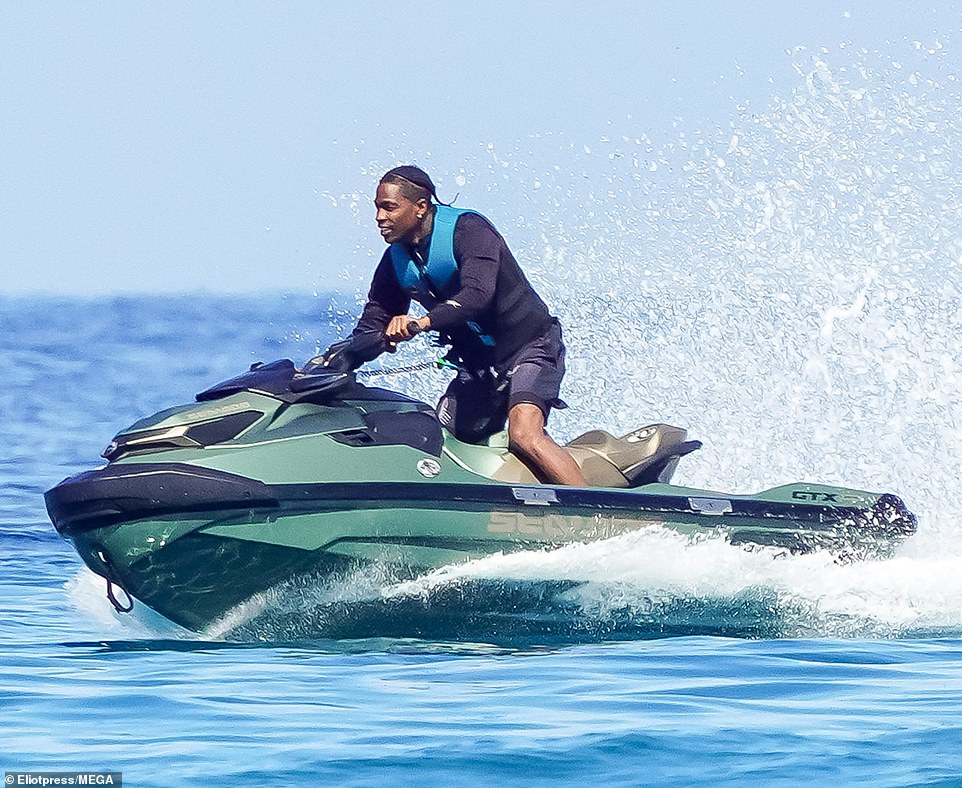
x=506, y=344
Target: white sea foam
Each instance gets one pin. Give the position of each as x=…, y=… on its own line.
x=642, y=573
x=86, y=592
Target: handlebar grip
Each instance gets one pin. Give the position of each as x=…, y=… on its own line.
x=413, y=328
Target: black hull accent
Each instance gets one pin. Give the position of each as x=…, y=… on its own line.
x=122, y=493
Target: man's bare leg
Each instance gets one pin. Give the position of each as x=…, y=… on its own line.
x=528, y=439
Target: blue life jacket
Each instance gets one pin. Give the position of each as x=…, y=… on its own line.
x=438, y=279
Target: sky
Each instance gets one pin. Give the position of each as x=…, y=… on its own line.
x=183, y=146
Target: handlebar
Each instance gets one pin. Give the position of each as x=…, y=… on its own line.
x=413, y=328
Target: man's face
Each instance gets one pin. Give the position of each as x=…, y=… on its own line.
x=397, y=216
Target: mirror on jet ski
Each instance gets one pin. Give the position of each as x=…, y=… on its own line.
x=321, y=377
x=348, y=354
x=281, y=379
x=272, y=378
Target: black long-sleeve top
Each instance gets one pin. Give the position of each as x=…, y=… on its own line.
x=494, y=294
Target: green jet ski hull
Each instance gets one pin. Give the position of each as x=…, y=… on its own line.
x=204, y=506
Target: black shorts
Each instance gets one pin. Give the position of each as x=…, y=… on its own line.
x=476, y=406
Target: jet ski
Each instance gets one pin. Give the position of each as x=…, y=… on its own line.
x=282, y=473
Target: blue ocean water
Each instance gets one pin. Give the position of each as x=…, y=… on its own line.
x=673, y=663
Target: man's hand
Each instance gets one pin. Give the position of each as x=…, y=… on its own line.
x=397, y=329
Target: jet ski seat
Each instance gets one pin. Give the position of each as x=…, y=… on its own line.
x=645, y=456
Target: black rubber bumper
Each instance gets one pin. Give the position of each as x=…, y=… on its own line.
x=119, y=493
